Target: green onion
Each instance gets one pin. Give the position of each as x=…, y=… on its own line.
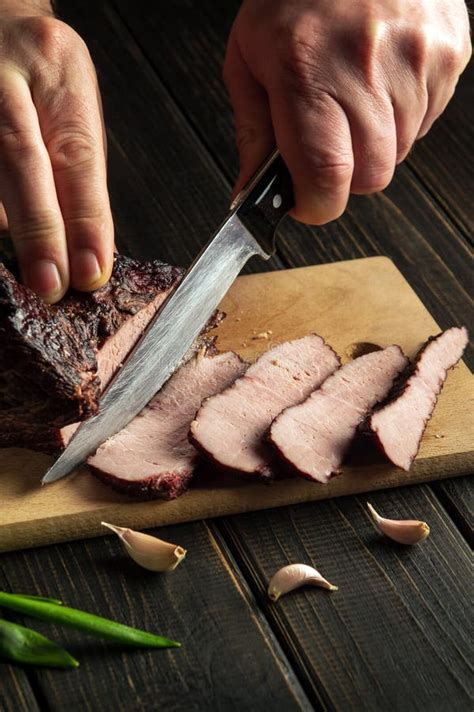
x=87, y=622
x=23, y=645
x=56, y=601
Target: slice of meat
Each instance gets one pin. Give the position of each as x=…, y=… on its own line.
x=229, y=429
x=313, y=437
x=399, y=424
x=55, y=360
x=152, y=456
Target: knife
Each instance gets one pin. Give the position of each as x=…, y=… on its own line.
x=248, y=230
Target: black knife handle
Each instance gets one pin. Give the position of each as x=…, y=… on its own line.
x=267, y=199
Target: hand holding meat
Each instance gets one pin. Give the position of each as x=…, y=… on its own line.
x=343, y=89
x=52, y=153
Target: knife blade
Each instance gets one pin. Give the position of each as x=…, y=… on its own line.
x=248, y=230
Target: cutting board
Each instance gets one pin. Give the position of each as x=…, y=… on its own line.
x=348, y=303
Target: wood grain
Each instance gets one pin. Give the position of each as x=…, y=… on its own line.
x=201, y=604
x=16, y=692
x=457, y=497
x=440, y=161
x=347, y=303
x=398, y=623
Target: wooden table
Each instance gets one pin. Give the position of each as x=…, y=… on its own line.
x=398, y=634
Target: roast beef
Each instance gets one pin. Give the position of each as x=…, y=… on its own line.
x=313, y=437
x=229, y=428
x=398, y=424
x=55, y=360
x=152, y=456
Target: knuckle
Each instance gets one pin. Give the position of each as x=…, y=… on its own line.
x=39, y=228
x=89, y=226
x=70, y=148
x=452, y=59
x=16, y=145
x=56, y=45
x=415, y=49
x=52, y=37
x=297, y=51
x=374, y=167
x=334, y=175
x=361, y=45
x=331, y=172
x=375, y=155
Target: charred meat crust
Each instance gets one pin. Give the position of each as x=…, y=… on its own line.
x=48, y=363
x=401, y=382
x=167, y=486
x=45, y=359
x=132, y=286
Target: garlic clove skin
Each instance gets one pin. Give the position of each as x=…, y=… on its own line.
x=403, y=531
x=148, y=551
x=294, y=576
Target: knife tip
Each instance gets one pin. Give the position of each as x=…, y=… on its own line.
x=50, y=476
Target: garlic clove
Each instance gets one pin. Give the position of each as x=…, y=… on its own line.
x=294, y=576
x=148, y=551
x=403, y=531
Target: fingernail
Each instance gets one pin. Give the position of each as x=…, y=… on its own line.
x=44, y=279
x=85, y=269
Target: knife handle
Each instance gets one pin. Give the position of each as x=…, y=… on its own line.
x=266, y=200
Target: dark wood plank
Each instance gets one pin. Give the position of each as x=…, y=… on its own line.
x=227, y=661
x=186, y=42
x=16, y=692
x=442, y=160
x=457, y=497
x=397, y=634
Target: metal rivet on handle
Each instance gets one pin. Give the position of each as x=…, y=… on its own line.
x=277, y=201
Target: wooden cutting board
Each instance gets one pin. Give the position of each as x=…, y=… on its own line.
x=348, y=303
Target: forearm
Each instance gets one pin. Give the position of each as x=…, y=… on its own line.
x=25, y=8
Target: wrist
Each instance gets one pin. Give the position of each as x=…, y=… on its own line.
x=25, y=8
